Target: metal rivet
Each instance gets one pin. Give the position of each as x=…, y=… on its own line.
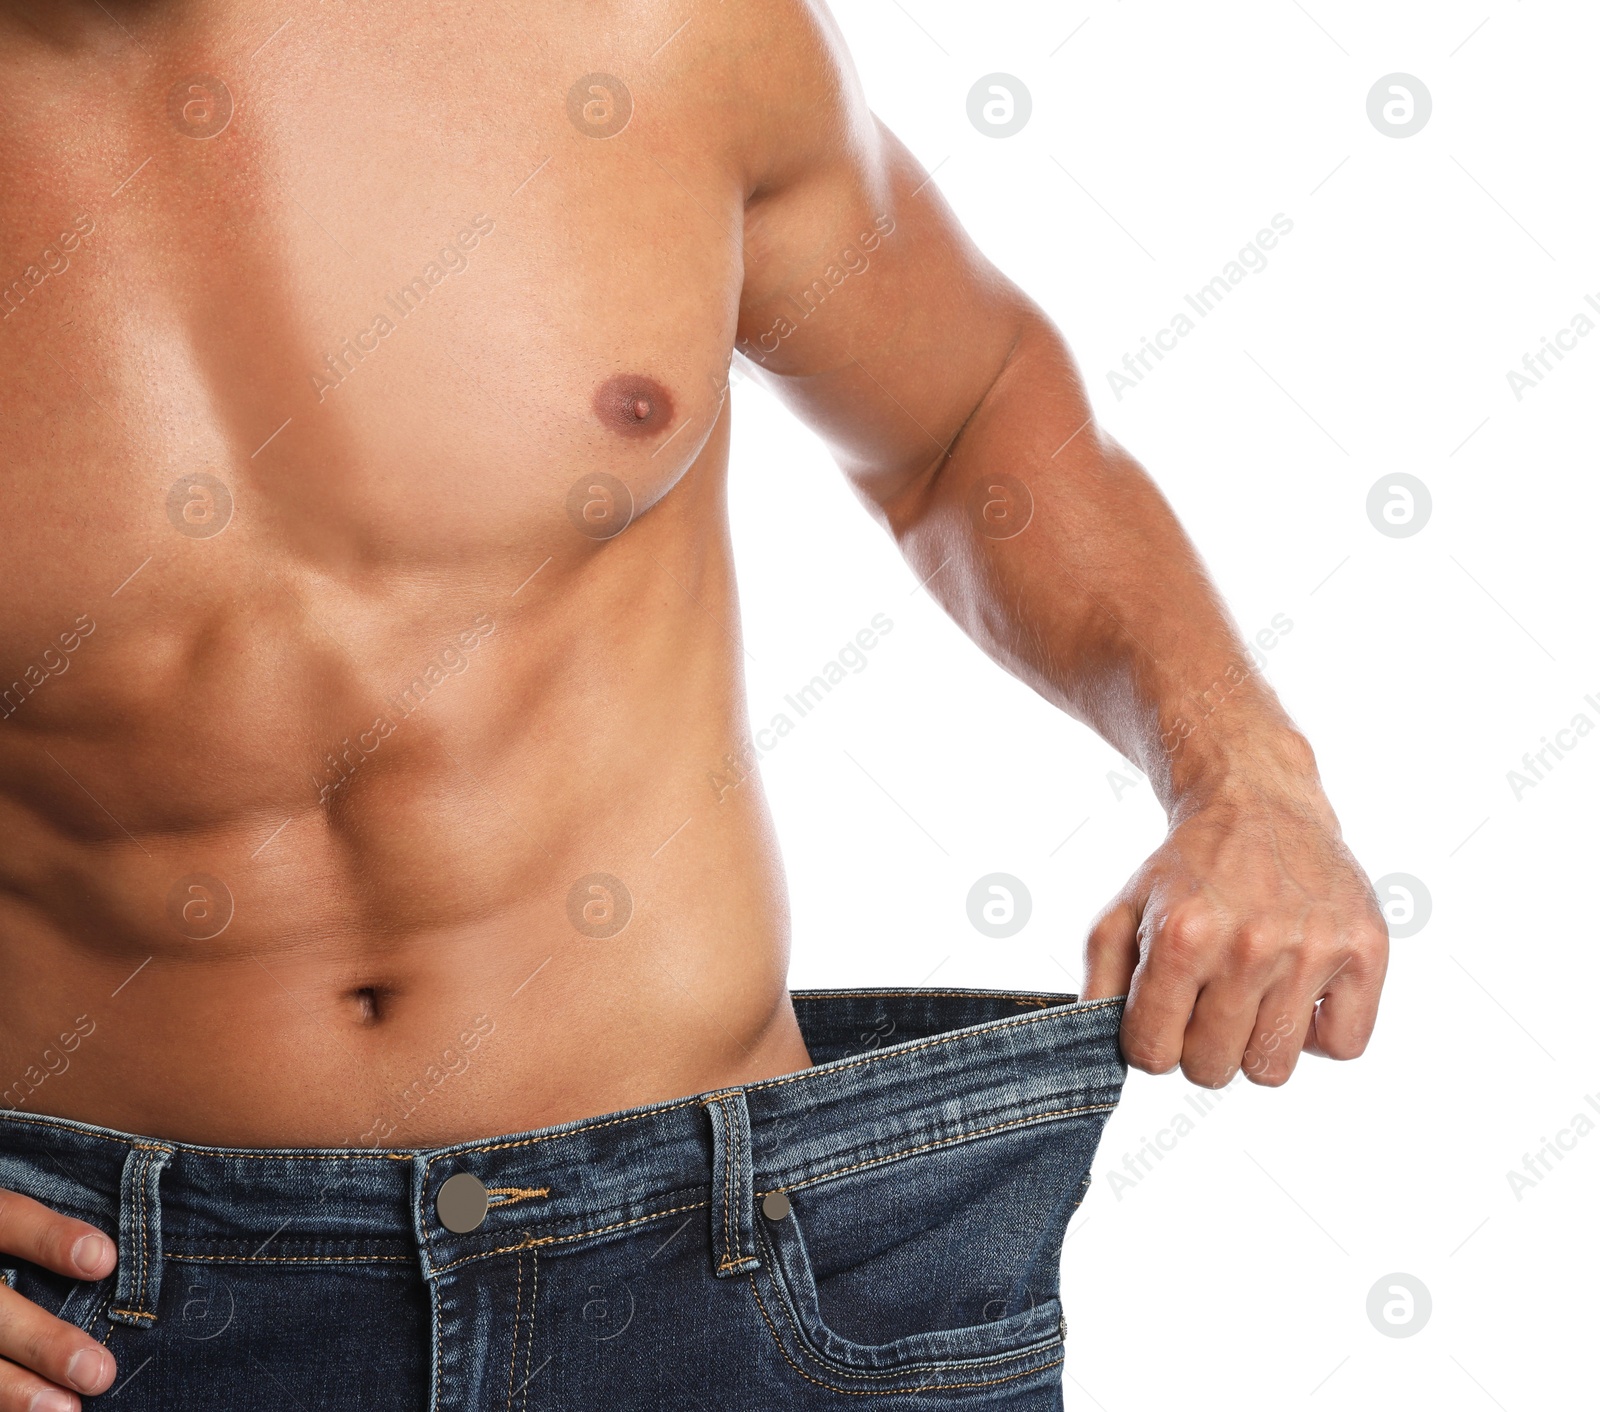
x=462, y=1203
x=774, y=1205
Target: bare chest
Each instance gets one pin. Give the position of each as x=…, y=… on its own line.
x=363, y=300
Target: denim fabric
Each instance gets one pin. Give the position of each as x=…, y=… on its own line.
x=886, y=1225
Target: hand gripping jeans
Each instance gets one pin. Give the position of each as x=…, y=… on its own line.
x=883, y=1230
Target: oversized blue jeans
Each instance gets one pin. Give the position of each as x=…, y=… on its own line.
x=886, y=1226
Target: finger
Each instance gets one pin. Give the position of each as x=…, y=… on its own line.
x=1343, y=1022
x=1219, y=1032
x=21, y=1391
x=1282, y=1027
x=1110, y=952
x=60, y=1243
x=1348, y=1000
x=1176, y=948
x=51, y=1347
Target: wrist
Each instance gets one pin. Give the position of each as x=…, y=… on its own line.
x=1256, y=756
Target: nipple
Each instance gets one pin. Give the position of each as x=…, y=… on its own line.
x=633, y=405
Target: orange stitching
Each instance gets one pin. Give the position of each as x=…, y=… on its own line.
x=895, y=1051
x=99, y=1309
x=946, y=1141
x=886, y=1391
x=344, y=1154
x=128, y=1208
x=742, y=1212
x=135, y=1313
x=516, y=1323
x=138, y=1246
x=435, y=1296
x=150, y=1213
x=279, y=1259
x=630, y=1117
x=533, y=1308
x=530, y=1241
x=735, y=1249
x=147, y=1236
x=144, y=1227
x=517, y=1193
x=728, y=1159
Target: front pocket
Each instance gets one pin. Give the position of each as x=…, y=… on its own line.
x=82, y=1303
x=942, y=1258
x=1006, y=1338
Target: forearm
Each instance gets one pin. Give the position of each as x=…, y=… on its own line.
x=1100, y=602
x=1250, y=934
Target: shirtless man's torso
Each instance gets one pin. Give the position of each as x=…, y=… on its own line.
x=376, y=680
x=368, y=626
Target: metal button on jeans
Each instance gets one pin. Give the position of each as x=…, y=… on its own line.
x=462, y=1204
x=774, y=1205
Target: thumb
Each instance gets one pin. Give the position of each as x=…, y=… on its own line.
x=1111, y=951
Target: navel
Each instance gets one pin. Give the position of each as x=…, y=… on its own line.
x=369, y=1003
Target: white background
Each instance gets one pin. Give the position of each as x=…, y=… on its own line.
x=1378, y=339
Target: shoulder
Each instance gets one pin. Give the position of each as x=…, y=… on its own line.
x=779, y=78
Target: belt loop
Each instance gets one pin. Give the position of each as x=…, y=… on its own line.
x=139, y=1237
x=733, y=1197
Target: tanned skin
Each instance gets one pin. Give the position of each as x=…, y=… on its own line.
x=517, y=495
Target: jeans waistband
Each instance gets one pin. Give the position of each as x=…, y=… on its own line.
x=896, y=1072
